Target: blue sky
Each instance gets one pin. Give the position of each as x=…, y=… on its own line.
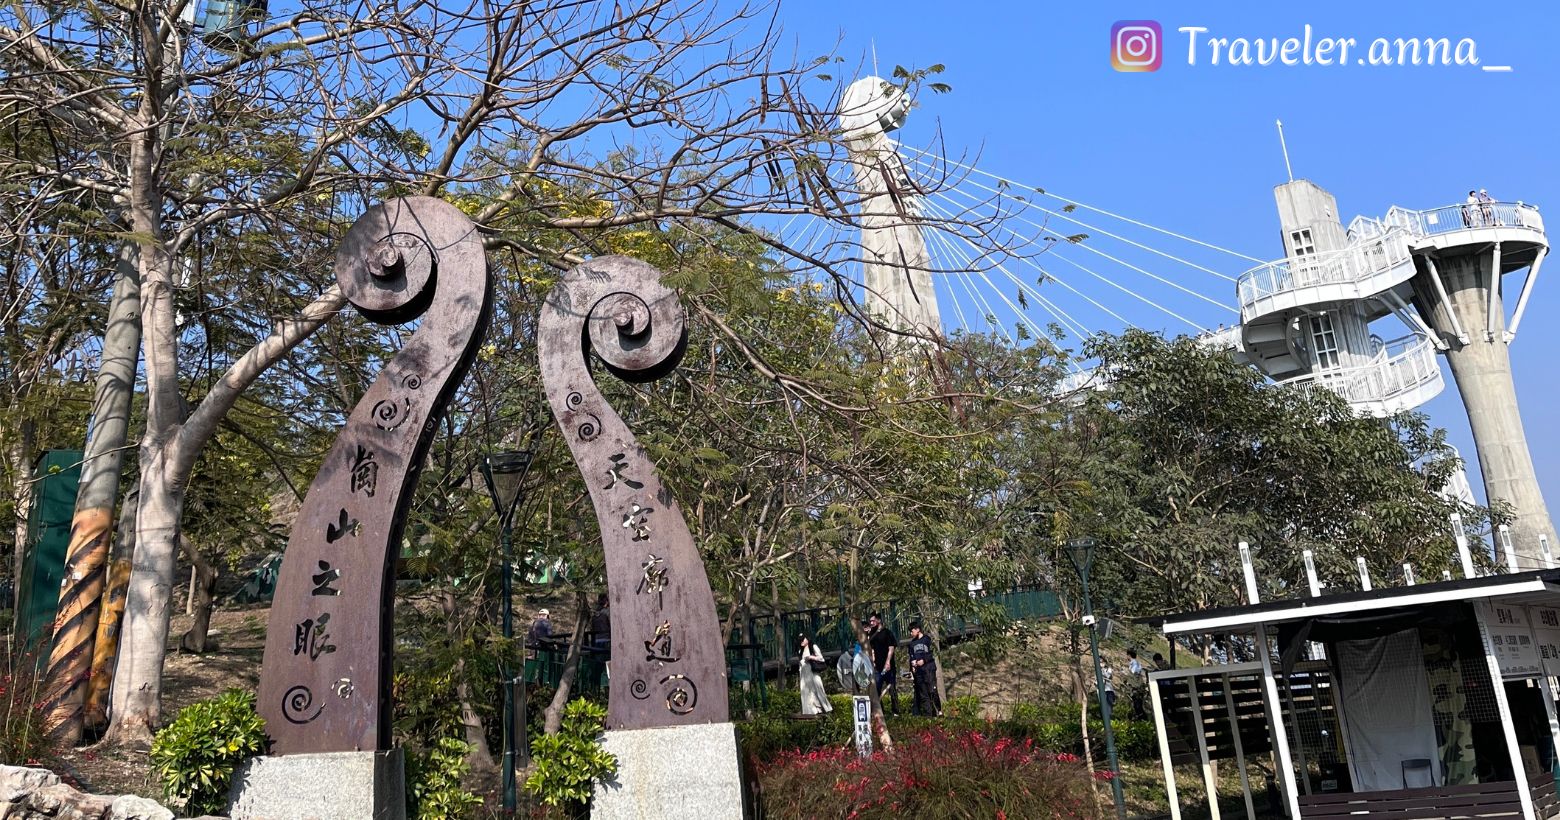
x=1193, y=148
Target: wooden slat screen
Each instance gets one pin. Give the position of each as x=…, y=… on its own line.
x=1488, y=801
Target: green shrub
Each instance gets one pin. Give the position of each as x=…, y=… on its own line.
x=566, y=765
x=434, y=781
x=1136, y=739
x=428, y=727
x=1059, y=737
x=965, y=707
x=195, y=755
x=1027, y=713
x=776, y=729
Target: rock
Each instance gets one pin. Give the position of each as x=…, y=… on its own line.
x=16, y=782
x=38, y=794
x=131, y=807
x=65, y=803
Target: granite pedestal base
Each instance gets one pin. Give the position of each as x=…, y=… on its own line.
x=335, y=786
x=676, y=771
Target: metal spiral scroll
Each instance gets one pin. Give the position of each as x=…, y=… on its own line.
x=666, y=643
x=325, y=680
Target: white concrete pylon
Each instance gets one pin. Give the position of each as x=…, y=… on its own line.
x=897, y=268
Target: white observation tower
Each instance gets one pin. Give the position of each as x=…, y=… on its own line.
x=1307, y=318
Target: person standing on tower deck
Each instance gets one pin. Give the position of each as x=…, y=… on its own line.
x=1471, y=210
x=884, y=642
x=1487, y=207
x=923, y=667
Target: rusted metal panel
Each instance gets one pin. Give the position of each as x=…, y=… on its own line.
x=668, y=666
x=325, y=680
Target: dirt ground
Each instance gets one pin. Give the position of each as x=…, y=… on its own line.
x=240, y=641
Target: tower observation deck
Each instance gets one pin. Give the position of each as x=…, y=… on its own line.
x=1307, y=319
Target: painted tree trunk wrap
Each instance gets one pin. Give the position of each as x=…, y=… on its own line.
x=668, y=665
x=325, y=680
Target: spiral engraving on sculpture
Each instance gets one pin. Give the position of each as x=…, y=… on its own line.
x=684, y=695
x=389, y=414
x=415, y=258
x=296, y=703
x=591, y=426
x=616, y=312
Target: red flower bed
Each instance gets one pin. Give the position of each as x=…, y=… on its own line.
x=933, y=773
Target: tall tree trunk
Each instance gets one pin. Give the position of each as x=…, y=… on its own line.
x=196, y=638
x=144, y=644
x=137, y=706
x=1081, y=691
x=20, y=457
x=86, y=559
x=480, y=758
x=787, y=648
x=553, y=714
x=105, y=650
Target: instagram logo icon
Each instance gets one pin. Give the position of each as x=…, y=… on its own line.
x=1134, y=45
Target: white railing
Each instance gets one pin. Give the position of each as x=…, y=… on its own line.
x=1353, y=264
x=1402, y=365
x=1461, y=216
x=1478, y=215
x=1224, y=338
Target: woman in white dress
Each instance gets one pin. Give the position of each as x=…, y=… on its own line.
x=814, y=699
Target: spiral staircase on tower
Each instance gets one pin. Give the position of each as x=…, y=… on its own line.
x=1295, y=311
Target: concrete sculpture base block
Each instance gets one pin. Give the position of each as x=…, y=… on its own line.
x=676, y=771
x=335, y=786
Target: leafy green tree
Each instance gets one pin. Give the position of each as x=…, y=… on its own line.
x=1187, y=452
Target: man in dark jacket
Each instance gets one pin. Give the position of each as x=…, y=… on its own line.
x=923, y=667
x=540, y=631
x=884, y=642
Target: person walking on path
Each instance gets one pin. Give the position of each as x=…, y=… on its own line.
x=1106, y=674
x=923, y=668
x=815, y=700
x=884, y=642
x=1137, y=690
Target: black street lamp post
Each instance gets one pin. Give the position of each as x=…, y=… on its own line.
x=505, y=475
x=1081, y=552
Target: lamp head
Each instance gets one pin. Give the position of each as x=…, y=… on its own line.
x=1081, y=552
x=505, y=475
